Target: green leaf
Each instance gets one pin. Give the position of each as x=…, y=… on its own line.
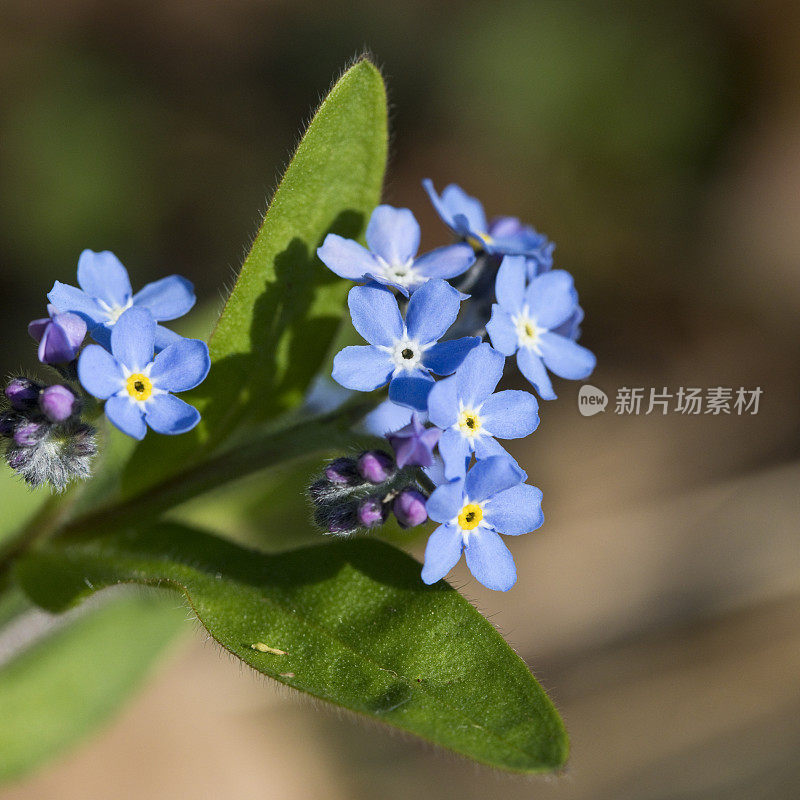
x=349, y=622
x=285, y=308
x=75, y=677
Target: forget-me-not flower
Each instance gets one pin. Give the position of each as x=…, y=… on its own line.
x=393, y=238
x=414, y=444
x=471, y=416
x=528, y=319
x=402, y=352
x=464, y=215
x=136, y=386
x=105, y=294
x=60, y=335
x=473, y=510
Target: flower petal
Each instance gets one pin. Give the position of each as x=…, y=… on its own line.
x=387, y=418
x=133, y=339
x=444, y=358
x=169, y=298
x=502, y=332
x=99, y=372
x=70, y=298
x=446, y=501
x=346, y=258
x=443, y=403
x=169, y=414
x=411, y=389
x=479, y=373
x=486, y=447
x=164, y=338
x=490, y=476
x=375, y=314
x=101, y=275
x=432, y=309
x=126, y=415
x=442, y=553
x=362, y=367
x=509, y=286
x=532, y=367
x=455, y=450
x=37, y=327
x=74, y=327
x=55, y=347
x=446, y=262
x=457, y=201
x=552, y=298
x=566, y=358
x=490, y=561
x=393, y=234
x=181, y=366
x=510, y=414
x=515, y=511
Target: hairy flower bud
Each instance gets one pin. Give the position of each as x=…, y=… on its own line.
x=409, y=508
x=376, y=466
x=343, y=472
x=372, y=512
x=28, y=434
x=22, y=393
x=58, y=403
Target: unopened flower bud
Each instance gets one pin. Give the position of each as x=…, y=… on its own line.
x=337, y=518
x=409, y=508
x=58, y=403
x=22, y=393
x=376, y=466
x=372, y=512
x=343, y=472
x=28, y=434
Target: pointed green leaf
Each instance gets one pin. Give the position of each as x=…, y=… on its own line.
x=285, y=308
x=349, y=622
x=56, y=691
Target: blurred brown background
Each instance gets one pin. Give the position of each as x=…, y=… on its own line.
x=659, y=145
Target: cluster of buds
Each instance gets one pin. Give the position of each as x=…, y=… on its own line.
x=45, y=439
x=361, y=493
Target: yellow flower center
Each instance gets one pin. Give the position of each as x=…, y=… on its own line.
x=469, y=423
x=139, y=386
x=470, y=517
x=480, y=240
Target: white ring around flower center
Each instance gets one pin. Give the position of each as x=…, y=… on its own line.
x=528, y=332
x=469, y=422
x=113, y=313
x=401, y=274
x=405, y=353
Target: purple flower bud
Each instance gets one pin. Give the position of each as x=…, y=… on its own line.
x=413, y=445
x=372, y=512
x=57, y=403
x=60, y=336
x=337, y=518
x=343, y=472
x=375, y=466
x=409, y=508
x=29, y=433
x=22, y=393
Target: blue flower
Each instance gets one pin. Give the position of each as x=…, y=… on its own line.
x=464, y=215
x=538, y=321
x=491, y=499
x=106, y=293
x=401, y=352
x=393, y=239
x=137, y=387
x=60, y=336
x=471, y=416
